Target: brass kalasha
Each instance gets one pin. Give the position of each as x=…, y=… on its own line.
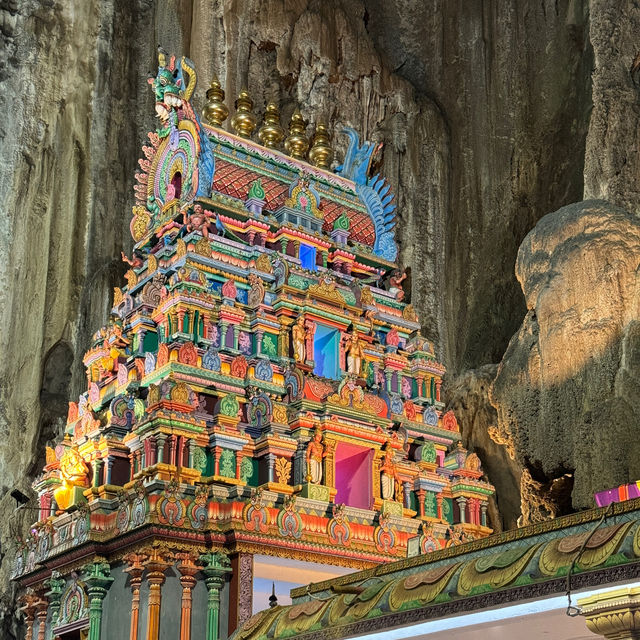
x=297, y=142
x=321, y=152
x=271, y=133
x=215, y=111
x=244, y=121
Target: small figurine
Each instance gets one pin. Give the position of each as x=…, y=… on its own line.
x=395, y=284
x=315, y=454
x=197, y=220
x=298, y=337
x=388, y=477
x=136, y=262
x=355, y=354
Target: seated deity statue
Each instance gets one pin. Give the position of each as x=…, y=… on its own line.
x=73, y=473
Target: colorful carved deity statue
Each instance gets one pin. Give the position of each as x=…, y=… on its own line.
x=315, y=454
x=298, y=337
x=197, y=220
x=73, y=473
x=395, y=284
x=355, y=354
x=388, y=476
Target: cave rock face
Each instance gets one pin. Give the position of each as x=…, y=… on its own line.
x=567, y=391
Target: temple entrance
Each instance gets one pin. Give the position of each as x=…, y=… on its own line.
x=353, y=475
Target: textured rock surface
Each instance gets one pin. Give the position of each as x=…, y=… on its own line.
x=567, y=391
x=484, y=108
x=468, y=396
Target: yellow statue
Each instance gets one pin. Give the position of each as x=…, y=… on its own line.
x=299, y=335
x=355, y=354
x=73, y=473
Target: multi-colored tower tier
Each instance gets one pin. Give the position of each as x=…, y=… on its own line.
x=261, y=388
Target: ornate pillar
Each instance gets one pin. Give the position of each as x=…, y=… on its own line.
x=439, y=500
x=135, y=569
x=483, y=514
x=388, y=377
x=28, y=605
x=98, y=582
x=161, y=439
x=462, y=506
x=188, y=570
x=283, y=245
x=216, y=566
x=217, y=452
x=421, y=493
x=375, y=475
x=41, y=614
x=438, y=385
x=156, y=565
x=271, y=461
x=236, y=335
x=223, y=333
x=192, y=448
x=107, y=470
x=329, y=471
x=241, y=590
x=97, y=467
x=614, y=614
x=55, y=585
x=406, y=485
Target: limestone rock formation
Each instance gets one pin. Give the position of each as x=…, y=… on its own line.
x=567, y=391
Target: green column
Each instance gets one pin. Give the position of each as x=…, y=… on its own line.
x=55, y=585
x=216, y=566
x=98, y=581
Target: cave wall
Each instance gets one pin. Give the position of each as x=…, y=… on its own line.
x=484, y=107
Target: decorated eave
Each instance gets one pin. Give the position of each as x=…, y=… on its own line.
x=522, y=564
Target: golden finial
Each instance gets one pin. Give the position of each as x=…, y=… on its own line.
x=244, y=121
x=321, y=152
x=271, y=133
x=297, y=142
x=215, y=111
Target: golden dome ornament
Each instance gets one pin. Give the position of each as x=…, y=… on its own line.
x=321, y=152
x=271, y=134
x=244, y=121
x=215, y=111
x=297, y=142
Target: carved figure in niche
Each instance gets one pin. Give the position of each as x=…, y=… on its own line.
x=73, y=473
x=298, y=337
x=395, y=284
x=136, y=261
x=197, y=220
x=315, y=453
x=256, y=292
x=355, y=354
x=388, y=476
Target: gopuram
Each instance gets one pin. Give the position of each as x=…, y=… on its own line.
x=262, y=390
